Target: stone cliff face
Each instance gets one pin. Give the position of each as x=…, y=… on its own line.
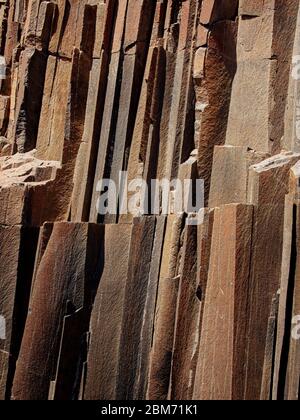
x=132, y=306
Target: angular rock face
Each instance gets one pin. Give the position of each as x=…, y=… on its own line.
x=151, y=298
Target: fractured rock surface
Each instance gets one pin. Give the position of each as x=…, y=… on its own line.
x=160, y=305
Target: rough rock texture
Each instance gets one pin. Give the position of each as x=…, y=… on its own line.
x=150, y=306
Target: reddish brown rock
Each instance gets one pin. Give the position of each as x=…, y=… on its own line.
x=213, y=84
x=105, y=331
x=17, y=253
x=286, y=366
x=164, y=326
x=133, y=305
x=221, y=367
x=187, y=321
x=268, y=185
x=231, y=164
x=59, y=311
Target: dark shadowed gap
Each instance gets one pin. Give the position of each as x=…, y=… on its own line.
x=289, y=311
x=28, y=247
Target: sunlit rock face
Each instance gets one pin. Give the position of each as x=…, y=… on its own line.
x=113, y=287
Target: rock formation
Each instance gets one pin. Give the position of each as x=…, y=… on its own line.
x=149, y=305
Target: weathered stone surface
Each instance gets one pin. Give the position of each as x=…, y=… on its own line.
x=106, y=319
x=268, y=185
x=265, y=48
x=291, y=389
x=165, y=303
x=286, y=366
x=32, y=68
x=132, y=306
x=164, y=327
x=231, y=165
x=59, y=303
x=187, y=321
x=213, y=89
x=17, y=253
x=291, y=137
x=220, y=372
